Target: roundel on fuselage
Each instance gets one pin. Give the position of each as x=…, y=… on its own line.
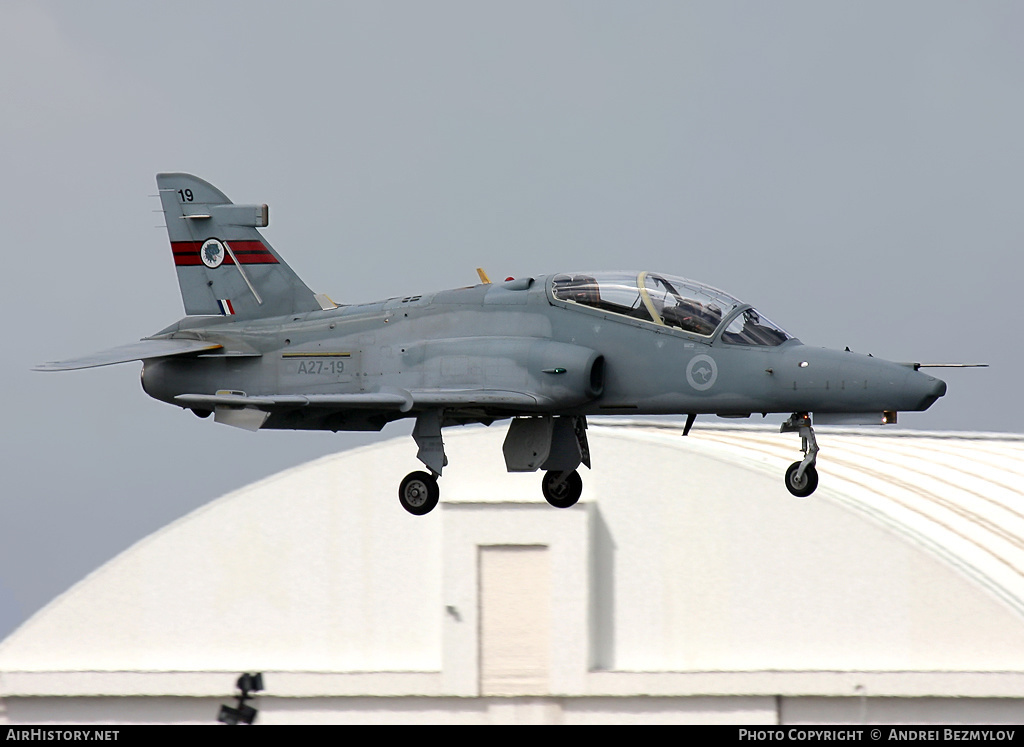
x=701, y=372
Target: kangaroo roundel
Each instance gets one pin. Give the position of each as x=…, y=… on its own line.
x=702, y=372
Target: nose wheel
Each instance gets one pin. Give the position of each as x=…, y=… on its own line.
x=801, y=485
x=802, y=476
x=418, y=493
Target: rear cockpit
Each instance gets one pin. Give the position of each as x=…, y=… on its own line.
x=668, y=301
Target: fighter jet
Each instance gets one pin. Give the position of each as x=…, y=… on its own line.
x=258, y=349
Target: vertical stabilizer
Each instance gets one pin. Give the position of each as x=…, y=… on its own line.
x=224, y=264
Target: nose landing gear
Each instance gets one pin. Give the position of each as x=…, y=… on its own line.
x=801, y=485
x=802, y=476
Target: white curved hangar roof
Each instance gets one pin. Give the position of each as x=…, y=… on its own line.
x=686, y=568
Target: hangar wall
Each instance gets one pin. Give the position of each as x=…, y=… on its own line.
x=687, y=586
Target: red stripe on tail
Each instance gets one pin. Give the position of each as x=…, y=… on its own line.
x=186, y=253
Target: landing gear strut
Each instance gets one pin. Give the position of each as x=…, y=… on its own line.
x=419, y=492
x=802, y=476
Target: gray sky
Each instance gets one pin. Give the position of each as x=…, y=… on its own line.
x=853, y=169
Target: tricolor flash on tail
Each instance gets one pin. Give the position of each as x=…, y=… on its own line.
x=225, y=266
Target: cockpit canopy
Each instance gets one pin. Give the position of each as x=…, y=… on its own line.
x=670, y=301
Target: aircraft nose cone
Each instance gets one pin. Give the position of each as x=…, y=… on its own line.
x=931, y=389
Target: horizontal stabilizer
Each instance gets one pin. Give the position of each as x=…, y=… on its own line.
x=136, y=351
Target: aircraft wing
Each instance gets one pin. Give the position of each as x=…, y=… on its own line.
x=473, y=397
x=395, y=399
x=135, y=351
x=386, y=399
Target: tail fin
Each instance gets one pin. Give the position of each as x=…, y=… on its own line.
x=224, y=264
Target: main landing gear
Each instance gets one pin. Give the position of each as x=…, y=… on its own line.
x=419, y=493
x=802, y=477
x=556, y=444
x=562, y=489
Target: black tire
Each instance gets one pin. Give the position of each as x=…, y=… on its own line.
x=806, y=485
x=419, y=493
x=564, y=495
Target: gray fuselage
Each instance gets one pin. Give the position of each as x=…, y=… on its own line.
x=516, y=349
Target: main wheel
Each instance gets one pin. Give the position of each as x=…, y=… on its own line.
x=418, y=493
x=805, y=485
x=565, y=493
